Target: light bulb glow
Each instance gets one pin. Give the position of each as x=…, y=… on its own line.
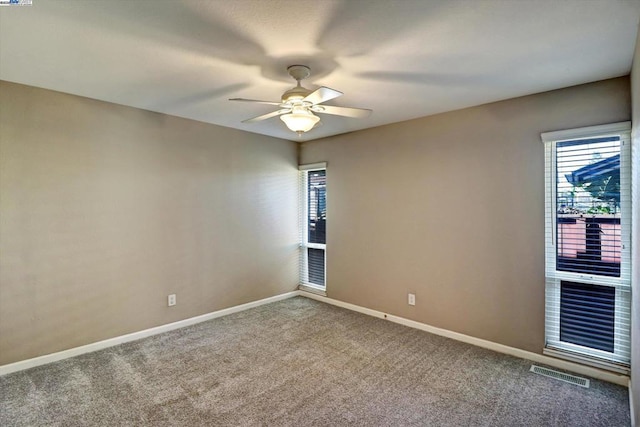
x=300, y=120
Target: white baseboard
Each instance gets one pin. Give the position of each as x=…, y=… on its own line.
x=500, y=348
x=76, y=351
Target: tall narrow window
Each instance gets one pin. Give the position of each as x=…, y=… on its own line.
x=588, y=254
x=313, y=179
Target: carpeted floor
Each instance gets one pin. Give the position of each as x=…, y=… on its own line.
x=300, y=362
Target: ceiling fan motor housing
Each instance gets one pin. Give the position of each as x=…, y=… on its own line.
x=296, y=94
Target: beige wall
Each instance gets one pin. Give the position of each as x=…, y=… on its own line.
x=105, y=210
x=635, y=309
x=451, y=207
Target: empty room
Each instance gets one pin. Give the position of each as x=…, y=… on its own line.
x=320, y=213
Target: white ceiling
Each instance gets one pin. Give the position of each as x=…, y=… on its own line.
x=401, y=58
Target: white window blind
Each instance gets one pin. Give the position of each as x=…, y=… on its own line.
x=313, y=225
x=587, y=244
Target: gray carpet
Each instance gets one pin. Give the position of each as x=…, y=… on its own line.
x=299, y=362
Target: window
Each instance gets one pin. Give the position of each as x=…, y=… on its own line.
x=587, y=240
x=313, y=218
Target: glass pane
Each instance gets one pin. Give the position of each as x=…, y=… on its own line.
x=315, y=259
x=317, y=203
x=587, y=315
x=588, y=206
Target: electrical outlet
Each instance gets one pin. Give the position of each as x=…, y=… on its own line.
x=171, y=300
x=412, y=299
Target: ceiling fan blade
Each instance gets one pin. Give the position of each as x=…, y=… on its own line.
x=322, y=94
x=267, y=116
x=357, y=113
x=255, y=100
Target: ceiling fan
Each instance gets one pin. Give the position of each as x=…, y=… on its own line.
x=298, y=104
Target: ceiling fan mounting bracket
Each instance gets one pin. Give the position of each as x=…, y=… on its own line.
x=299, y=72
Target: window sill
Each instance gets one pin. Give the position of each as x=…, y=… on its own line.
x=586, y=360
x=313, y=289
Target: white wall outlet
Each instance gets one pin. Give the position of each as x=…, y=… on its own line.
x=171, y=300
x=412, y=299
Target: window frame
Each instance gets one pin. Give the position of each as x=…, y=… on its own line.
x=304, y=282
x=618, y=360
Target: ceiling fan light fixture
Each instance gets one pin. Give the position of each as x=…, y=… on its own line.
x=300, y=120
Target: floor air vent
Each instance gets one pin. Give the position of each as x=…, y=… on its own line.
x=582, y=382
